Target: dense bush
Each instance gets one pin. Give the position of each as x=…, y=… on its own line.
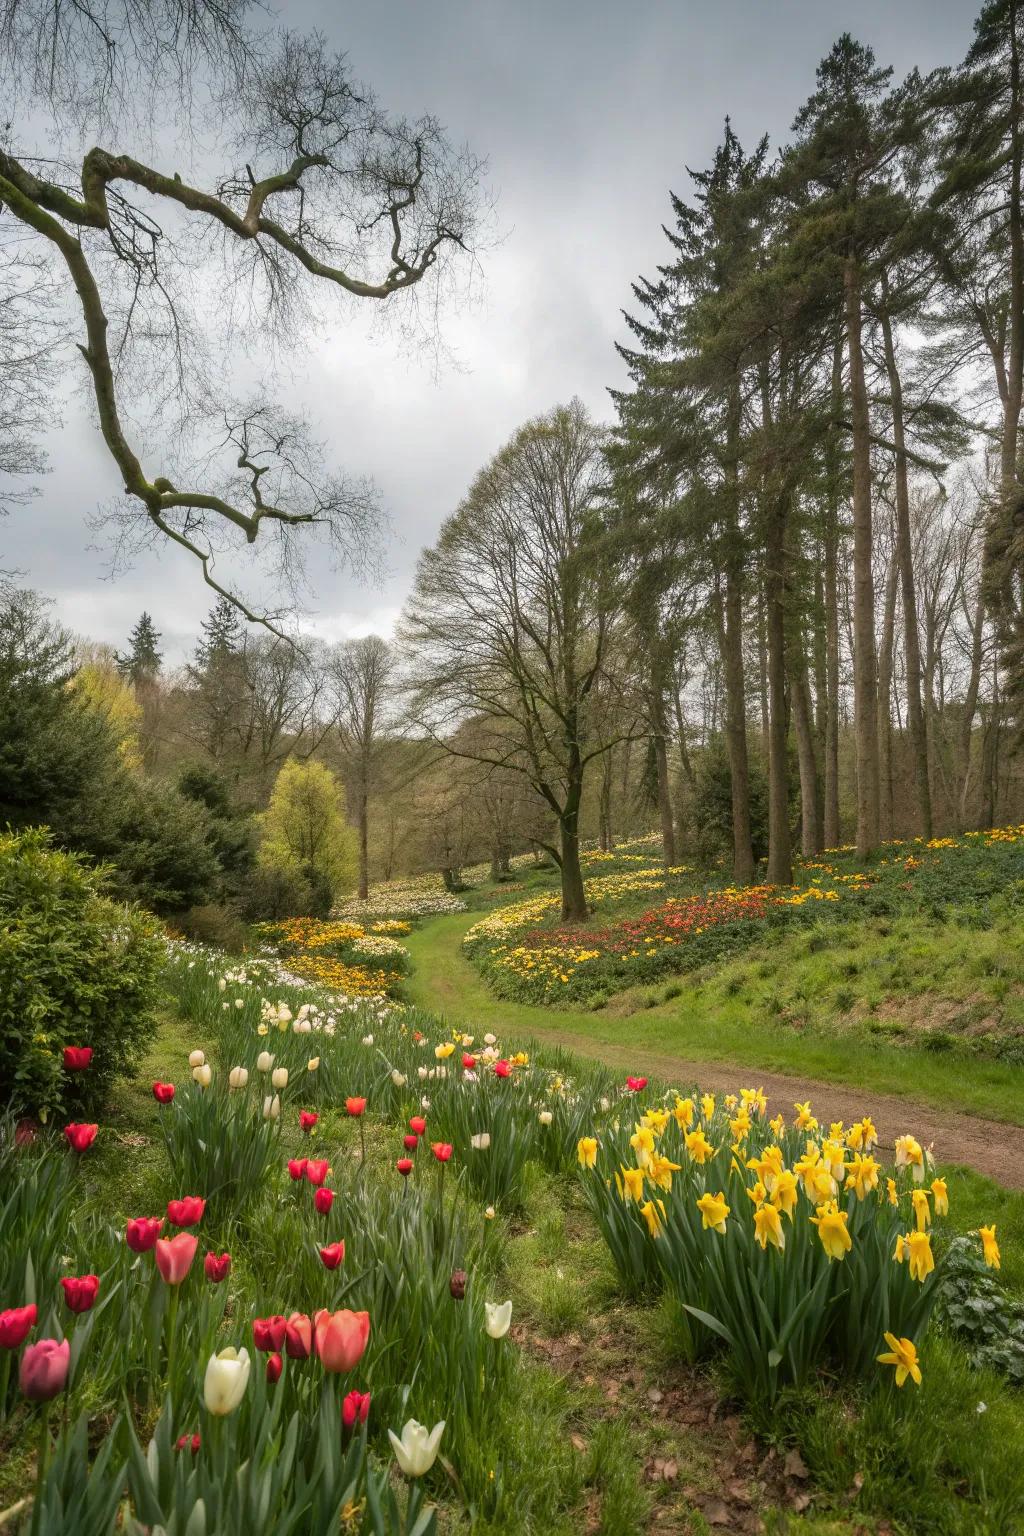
x=75, y=969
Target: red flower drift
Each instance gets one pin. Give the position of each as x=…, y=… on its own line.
x=441, y=1150
x=275, y=1365
x=142, y=1232
x=217, y=1267
x=185, y=1212
x=405, y=1166
x=323, y=1199
x=77, y=1057
x=80, y=1291
x=636, y=1084
x=354, y=1408
x=332, y=1255
x=317, y=1169
x=355, y=1107
x=502, y=1069
x=418, y=1124
x=268, y=1332
x=163, y=1092
x=80, y=1137
x=307, y=1119
x=16, y=1324
x=297, y=1167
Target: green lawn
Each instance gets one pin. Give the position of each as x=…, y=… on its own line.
x=745, y=1012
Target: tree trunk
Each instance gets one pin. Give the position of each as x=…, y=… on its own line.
x=885, y=802
x=732, y=657
x=574, y=902
x=363, y=825
x=864, y=682
x=780, y=863
x=970, y=707
x=661, y=765
x=905, y=557
x=831, y=599
x=803, y=730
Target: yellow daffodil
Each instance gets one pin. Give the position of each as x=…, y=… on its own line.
x=631, y=1184
x=642, y=1142
x=989, y=1246
x=862, y=1175
x=442, y=1052
x=698, y=1146
x=909, y=1154
x=784, y=1195
x=683, y=1113
x=586, y=1151
x=707, y=1106
x=653, y=1214
x=655, y=1120
x=890, y=1190
x=819, y=1185
x=661, y=1171
x=757, y=1193
x=833, y=1156
x=941, y=1194
x=713, y=1211
x=831, y=1224
x=740, y=1126
x=900, y=1251
x=768, y=1227
x=903, y=1355
x=777, y=1126
x=922, y=1210
x=835, y=1130
x=919, y=1254
x=805, y=1121
x=754, y=1101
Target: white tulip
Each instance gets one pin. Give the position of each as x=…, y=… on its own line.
x=196, y=1059
x=238, y=1077
x=312, y=1063
x=398, y=1078
x=279, y=1077
x=424, y=1102
x=490, y=1039
x=497, y=1318
x=416, y=1451
x=284, y=1013
x=239, y=1002
x=422, y=1073
x=606, y=1105
x=481, y=1141
x=202, y=1075
x=489, y=1213
x=545, y=1117
x=367, y=1039
x=264, y=1061
x=227, y=1376
x=271, y=1107
x=222, y=983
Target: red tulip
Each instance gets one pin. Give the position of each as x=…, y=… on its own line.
x=341, y=1338
x=297, y=1167
x=418, y=1124
x=405, y=1166
x=417, y=1035
x=142, y=1232
x=16, y=1324
x=80, y=1137
x=77, y=1057
x=502, y=1069
x=44, y=1369
x=268, y=1332
x=323, y=1200
x=174, y=1256
x=185, y=1212
x=441, y=1150
x=80, y=1291
x=275, y=1365
x=410, y=1142
x=468, y=1062
x=636, y=1084
x=317, y=1169
x=217, y=1267
x=354, y=1408
x=298, y=1337
x=332, y=1255
x=188, y=1443
x=163, y=1092
x=355, y=1107
x=307, y=1119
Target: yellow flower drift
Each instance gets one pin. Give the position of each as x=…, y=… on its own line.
x=903, y=1355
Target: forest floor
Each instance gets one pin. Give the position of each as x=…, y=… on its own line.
x=970, y=1110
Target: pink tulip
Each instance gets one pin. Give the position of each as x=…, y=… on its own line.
x=341, y=1338
x=44, y=1369
x=174, y=1256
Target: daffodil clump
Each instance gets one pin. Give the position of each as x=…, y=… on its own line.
x=410, y=897
x=340, y=955
x=789, y=1241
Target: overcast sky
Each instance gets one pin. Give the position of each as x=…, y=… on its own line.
x=588, y=111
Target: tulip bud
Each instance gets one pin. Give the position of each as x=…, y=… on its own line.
x=16, y=1324
x=457, y=1285
x=398, y=1078
x=80, y=1291
x=77, y=1057
x=80, y=1137
x=297, y=1168
x=188, y=1443
x=404, y=1166
x=481, y=1141
x=341, y=1338
x=268, y=1332
x=545, y=1117
x=271, y=1107
x=416, y=1451
x=196, y=1059
x=312, y=1064
x=307, y=1120
x=264, y=1061
x=174, y=1255
x=44, y=1369
x=355, y=1107
x=217, y=1267
x=227, y=1376
x=317, y=1169
x=354, y=1408
x=441, y=1150
x=497, y=1318
x=163, y=1092
x=332, y=1255
x=418, y=1124
x=279, y=1077
x=410, y=1142
x=202, y=1075
x=275, y=1365
x=238, y=1077
x=142, y=1232
x=323, y=1200
x=298, y=1337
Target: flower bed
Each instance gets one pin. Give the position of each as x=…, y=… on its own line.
x=342, y=956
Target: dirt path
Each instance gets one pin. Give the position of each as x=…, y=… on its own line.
x=446, y=984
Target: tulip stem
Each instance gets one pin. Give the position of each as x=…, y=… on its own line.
x=172, y=1321
x=42, y=1464
x=362, y=1141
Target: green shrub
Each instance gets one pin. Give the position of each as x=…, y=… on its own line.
x=75, y=969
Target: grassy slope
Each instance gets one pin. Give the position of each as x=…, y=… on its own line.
x=741, y=1014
